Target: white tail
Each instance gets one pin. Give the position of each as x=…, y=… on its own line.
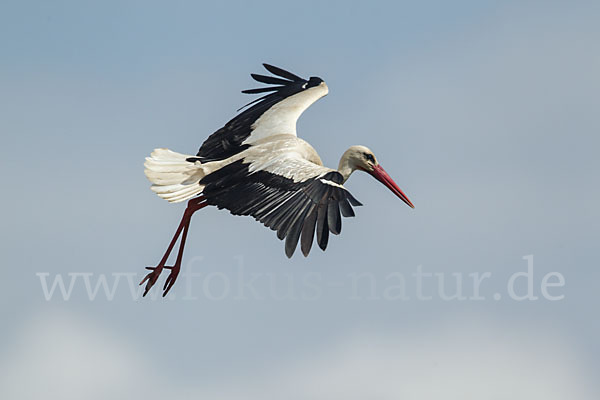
x=173, y=178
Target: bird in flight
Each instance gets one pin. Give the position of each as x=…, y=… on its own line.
x=256, y=165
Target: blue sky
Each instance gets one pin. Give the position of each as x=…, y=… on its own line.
x=485, y=114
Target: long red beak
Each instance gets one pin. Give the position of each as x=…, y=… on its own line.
x=383, y=177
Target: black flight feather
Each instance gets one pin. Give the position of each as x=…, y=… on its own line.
x=282, y=73
x=322, y=228
x=333, y=218
x=254, y=101
x=270, y=218
x=270, y=203
x=282, y=213
x=292, y=216
x=352, y=200
x=293, y=235
x=288, y=216
x=271, y=80
x=262, y=90
x=308, y=230
x=346, y=208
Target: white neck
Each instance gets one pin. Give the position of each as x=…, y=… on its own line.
x=346, y=166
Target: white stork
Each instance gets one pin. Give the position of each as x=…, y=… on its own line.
x=256, y=165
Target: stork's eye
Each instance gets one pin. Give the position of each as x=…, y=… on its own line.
x=369, y=157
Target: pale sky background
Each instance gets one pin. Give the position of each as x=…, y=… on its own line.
x=485, y=113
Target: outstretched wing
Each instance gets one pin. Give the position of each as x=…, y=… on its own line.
x=294, y=202
x=272, y=114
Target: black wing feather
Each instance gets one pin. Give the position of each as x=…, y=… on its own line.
x=261, y=90
x=271, y=80
x=293, y=215
x=353, y=201
x=288, y=214
x=322, y=228
x=308, y=230
x=282, y=73
x=293, y=235
x=333, y=218
x=346, y=208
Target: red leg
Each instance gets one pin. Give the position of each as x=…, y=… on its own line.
x=193, y=206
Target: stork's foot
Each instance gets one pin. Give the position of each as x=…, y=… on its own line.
x=155, y=272
x=171, y=278
x=152, y=277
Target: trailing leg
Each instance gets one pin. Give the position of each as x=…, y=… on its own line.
x=193, y=206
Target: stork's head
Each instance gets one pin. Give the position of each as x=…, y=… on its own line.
x=314, y=81
x=362, y=158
